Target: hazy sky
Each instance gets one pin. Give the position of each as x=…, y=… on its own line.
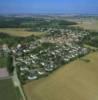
x=49, y=6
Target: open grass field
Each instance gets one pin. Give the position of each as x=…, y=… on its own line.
x=8, y=91
x=77, y=80
x=21, y=32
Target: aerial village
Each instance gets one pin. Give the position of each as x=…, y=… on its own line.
x=41, y=57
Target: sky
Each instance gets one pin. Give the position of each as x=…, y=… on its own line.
x=49, y=6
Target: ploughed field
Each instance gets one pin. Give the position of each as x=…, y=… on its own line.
x=77, y=80
x=21, y=32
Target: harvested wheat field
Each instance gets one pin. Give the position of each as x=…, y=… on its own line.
x=89, y=24
x=77, y=80
x=21, y=32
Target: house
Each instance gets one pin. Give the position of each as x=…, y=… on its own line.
x=42, y=72
x=32, y=77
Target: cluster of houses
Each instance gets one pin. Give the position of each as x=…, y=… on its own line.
x=34, y=60
x=67, y=36
x=34, y=65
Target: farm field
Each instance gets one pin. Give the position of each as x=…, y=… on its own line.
x=77, y=80
x=21, y=32
x=3, y=62
x=8, y=91
x=89, y=24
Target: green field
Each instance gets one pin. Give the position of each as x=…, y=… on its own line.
x=77, y=80
x=8, y=91
x=3, y=61
x=21, y=32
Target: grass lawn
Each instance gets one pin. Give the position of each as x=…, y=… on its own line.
x=77, y=80
x=8, y=91
x=21, y=32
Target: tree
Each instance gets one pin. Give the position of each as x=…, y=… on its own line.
x=10, y=63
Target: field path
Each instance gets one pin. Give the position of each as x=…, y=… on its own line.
x=16, y=80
